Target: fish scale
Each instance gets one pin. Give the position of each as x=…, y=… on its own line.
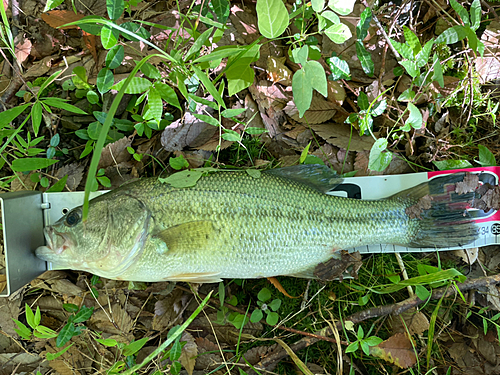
x=232, y=225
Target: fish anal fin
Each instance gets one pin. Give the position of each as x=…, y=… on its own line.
x=196, y=277
x=190, y=236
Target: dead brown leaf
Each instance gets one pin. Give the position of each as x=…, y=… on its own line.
x=278, y=72
x=336, y=268
x=121, y=322
x=167, y=310
x=9, y=309
x=57, y=18
x=39, y=68
x=469, y=184
x=340, y=135
x=415, y=211
x=74, y=172
x=397, y=349
x=23, y=182
x=189, y=352
x=23, y=49
x=320, y=111
x=415, y=321
x=205, y=360
x=490, y=198
x=397, y=165
x=255, y=355
x=114, y=154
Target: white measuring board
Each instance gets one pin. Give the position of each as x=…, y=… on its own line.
x=379, y=187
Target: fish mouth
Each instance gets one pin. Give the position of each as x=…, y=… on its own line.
x=57, y=243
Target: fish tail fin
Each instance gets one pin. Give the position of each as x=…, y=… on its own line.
x=438, y=213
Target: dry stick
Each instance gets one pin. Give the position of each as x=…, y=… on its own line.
x=490, y=8
x=394, y=309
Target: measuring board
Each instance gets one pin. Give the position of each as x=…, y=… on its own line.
x=25, y=214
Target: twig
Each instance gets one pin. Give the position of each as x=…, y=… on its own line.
x=394, y=309
x=490, y=8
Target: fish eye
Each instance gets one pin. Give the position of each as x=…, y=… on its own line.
x=72, y=219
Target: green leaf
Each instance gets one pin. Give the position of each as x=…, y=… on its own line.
x=422, y=57
x=317, y=5
x=352, y=347
x=84, y=314
x=343, y=7
x=327, y=19
x=36, y=116
x=412, y=40
x=219, y=53
x=410, y=67
x=115, y=56
x=58, y=186
x=94, y=130
x=407, y=95
x=438, y=71
x=68, y=331
x=256, y=316
x=231, y=135
x=228, y=113
x=254, y=173
x=364, y=24
x=70, y=307
x=414, y=119
x=137, y=85
x=461, y=11
x=115, y=8
x=44, y=332
x=176, y=351
x=221, y=8
x=6, y=117
x=272, y=318
x=107, y=342
x=452, y=35
x=475, y=14
x=403, y=49
x=340, y=68
x=182, y=179
x=274, y=304
x=92, y=97
x=52, y=356
x=137, y=30
x=208, y=119
x=379, y=160
x=178, y=163
x=264, y=295
x=422, y=292
x=60, y=103
x=155, y=104
x=486, y=157
x=134, y=346
x=304, y=153
x=209, y=86
x=378, y=108
x=272, y=18
x=444, y=165
x=168, y=94
x=315, y=74
x=363, y=102
x=252, y=130
x=302, y=91
x=30, y=317
x=198, y=43
x=51, y=4
x=23, y=331
x=300, y=55
x=365, y=58
x=151, y=71
x=239, y=73
x=338, y=33
x=109, y=37
x=31, y=164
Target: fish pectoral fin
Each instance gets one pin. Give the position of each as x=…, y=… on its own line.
x=201, y=277
x=190, y=236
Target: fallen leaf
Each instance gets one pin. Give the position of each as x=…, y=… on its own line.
x=397, y=165
x=278, y=72
x=340, y=135
x=57, y=18
x=469, y=256
x=39, y=68
x=416, y=210
x=23, y=49
x=320, y=111
x=167, y=310
x=397, y=349
x=10, y=309
x=121, y=324
x=337, y=267
x=415, y=321
x=115, y=153
x=208, y=354
x=189, y=352
x=74, y=171
x=63, y=286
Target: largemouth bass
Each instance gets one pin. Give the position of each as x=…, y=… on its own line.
x=231, y=225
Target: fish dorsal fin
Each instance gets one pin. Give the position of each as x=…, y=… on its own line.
x=201, y=277
x=190, y=236
x=316, y=176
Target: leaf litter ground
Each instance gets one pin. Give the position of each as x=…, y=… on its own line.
x=466, y=334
